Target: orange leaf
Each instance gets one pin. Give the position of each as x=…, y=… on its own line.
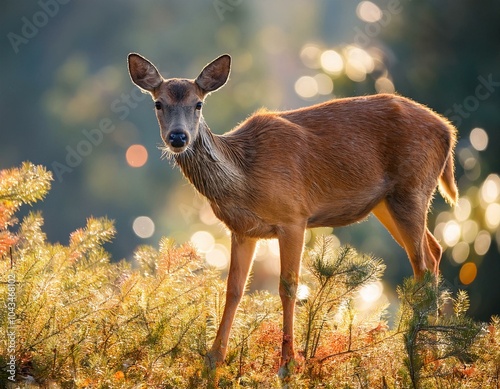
x=7, y=240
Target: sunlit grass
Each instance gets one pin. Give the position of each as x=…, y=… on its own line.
x=84, y=321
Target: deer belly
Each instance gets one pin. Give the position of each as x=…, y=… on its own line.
x=341, y=213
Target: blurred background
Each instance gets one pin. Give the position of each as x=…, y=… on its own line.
x=67, y=102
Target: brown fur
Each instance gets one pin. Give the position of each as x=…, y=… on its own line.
x=330, y=164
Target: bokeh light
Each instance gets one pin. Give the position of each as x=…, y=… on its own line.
x=203, y=241
x=475, y=217
x=490, y=188
x=468, y=273
x=371, y=292
x=302, y=292
x=143, y=227
x=479, y=139
x=334, y=241
x=468, y=159
x=451, y=233
x=463, y=209
x=492, y=216
x=368, y=12
x=384, y=85
x=324, y=83
x=482, y=243
x=361, y=56
x=438, y=231
x=136, y=155
x=351, y=61
x=218, y=256
x=460, y=252
x=359, y=63
x=306, y=87
x=355, y=71
x=310, y=56
x=207, y=215
x=332, y=62
x=470, y=229
x=470, y=163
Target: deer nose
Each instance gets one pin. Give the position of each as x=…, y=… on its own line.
x=177, y=139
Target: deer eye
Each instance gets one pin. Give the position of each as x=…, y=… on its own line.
x=157, y=105
x=199, y=105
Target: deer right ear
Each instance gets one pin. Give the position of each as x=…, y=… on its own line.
x=143, y=73
x=215, y=74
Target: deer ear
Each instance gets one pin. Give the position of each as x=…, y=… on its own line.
x=143, y=73
x=215, y=74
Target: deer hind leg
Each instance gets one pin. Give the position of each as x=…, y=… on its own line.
x=436, y=251
x=381, y=211
x=405, y=217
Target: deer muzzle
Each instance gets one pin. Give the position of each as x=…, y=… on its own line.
x=177, y=140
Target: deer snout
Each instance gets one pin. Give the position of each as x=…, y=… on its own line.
x=177, y=139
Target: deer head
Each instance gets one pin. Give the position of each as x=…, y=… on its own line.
x=178, y=101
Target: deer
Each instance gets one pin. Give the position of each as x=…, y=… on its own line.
x=280, y=172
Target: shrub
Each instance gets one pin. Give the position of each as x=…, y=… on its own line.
x=81, y=320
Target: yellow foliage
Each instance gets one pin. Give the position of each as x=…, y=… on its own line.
x=81, y=320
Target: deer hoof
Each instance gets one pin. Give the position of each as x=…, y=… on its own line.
x=287, y=369
x=213, y=359
x=283, y=372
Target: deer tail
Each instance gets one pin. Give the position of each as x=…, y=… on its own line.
x=447, y=186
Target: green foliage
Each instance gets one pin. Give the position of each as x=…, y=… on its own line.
x=432, y=338
x=83, y=321
x=336, y=277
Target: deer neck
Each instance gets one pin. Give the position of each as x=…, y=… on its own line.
x=212, y=166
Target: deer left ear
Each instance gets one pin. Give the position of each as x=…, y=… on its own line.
x=215, y=74
x=143, y=73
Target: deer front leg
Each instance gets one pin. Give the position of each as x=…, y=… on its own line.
x=291, y=244
x=242, y=250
